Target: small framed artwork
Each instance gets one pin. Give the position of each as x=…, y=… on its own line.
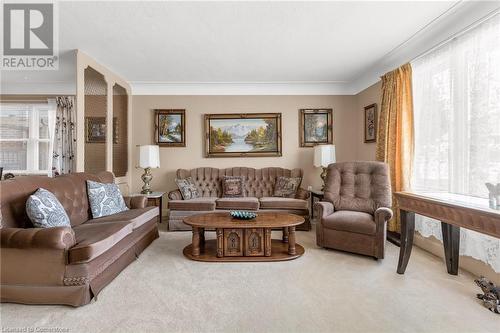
x=371, y=123
x=315, y=127
x=95, y=129
x=243, y=135
x=170, y=128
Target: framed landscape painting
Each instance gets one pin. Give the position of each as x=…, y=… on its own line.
x=170, y=128
x=315, y=127
x=95, y=129
x=371, y=123
x=237, y=135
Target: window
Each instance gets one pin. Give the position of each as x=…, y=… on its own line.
x=25, y=145
x=456, y=91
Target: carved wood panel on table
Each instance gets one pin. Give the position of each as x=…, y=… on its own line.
x=233, y=242
x=254, y=242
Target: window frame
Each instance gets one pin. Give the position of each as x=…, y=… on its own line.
x=33, y=141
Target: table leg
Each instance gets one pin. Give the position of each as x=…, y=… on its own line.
x=311, y=212
x=285, y=234
x=220, y=243
x=202, y=236
x=451, y=243
x=407, y=231
x=196, y=242
x=161, y=209
x=267, y=242
x=291, y=241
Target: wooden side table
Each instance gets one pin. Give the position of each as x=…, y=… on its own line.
x=315, y=194
x=154, y=199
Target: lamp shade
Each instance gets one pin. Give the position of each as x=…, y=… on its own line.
x=149, y=156
x=324, y=155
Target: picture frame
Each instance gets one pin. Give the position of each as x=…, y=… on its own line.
x=243, y=135
x=371, y=121
x=315, y=127
x=95, y=130
x=170, y=127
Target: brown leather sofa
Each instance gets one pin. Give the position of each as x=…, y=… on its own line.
x=67, y=265
x=259, y=187
x=355, y=208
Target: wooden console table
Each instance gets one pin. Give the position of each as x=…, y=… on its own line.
x=454, y=211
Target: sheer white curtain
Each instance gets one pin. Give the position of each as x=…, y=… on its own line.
x=456, y=93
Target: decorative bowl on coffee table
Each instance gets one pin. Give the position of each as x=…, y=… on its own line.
x=242, y=215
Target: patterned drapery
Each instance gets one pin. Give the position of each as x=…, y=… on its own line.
x=395, y=132
x=65, y=136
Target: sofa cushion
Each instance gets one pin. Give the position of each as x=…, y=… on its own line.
x=233, y=186
x=246, y=203
x=198, y=204
x=346, y=220
x=137, y=217
x=93, y=239
x=282, y=203
x=45, y=211
x=105, y=199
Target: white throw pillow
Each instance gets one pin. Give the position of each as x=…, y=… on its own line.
x=105, y=199
x=45, y=211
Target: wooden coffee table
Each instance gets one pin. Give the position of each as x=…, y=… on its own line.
x=243, y=240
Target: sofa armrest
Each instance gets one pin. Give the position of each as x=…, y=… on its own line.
x=138, y=201
x=382, y=215
x=324, y=208
x=175, y=195
x=57, y=238
x=302, y=194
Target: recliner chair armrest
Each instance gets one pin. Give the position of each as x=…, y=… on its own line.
x=58, y=238
x=383, y=214
x=324, y=208
x=302, y=194
x=138, y=201
x=175, y=195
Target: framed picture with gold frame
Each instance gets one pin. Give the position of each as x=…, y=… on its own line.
x=243, y=135
x=315, y=127
x=371, y=123
x=170, y=127
x=95, y=130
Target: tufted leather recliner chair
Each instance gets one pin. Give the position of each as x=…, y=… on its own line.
x=355, y=208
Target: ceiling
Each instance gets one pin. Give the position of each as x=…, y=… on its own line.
x=233, y=42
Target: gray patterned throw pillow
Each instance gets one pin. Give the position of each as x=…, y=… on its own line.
x=105, y=199
x=45, y=211
x=188, y=188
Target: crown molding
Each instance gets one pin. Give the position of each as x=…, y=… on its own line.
x=241, y=88
x=38, y=88
x=456, y=19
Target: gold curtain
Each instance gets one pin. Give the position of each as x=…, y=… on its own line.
x=395, y=132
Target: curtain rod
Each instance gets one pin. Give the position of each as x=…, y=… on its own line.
x=25, y=100
x=458, y=34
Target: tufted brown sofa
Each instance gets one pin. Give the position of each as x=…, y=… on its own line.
x=67, y=265
x=259, y=188
x=355, y=208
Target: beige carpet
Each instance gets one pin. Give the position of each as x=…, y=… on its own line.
x=324, y=291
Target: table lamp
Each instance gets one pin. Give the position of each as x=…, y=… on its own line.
x=323, y=156
x=149, y=157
